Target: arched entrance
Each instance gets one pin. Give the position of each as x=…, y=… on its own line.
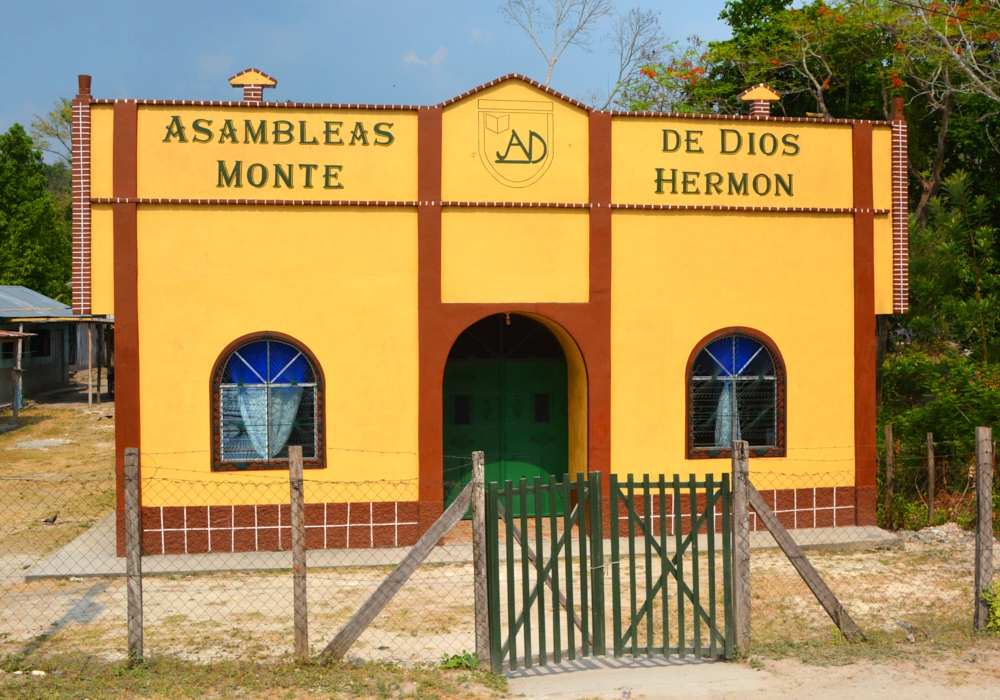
x=505, y=393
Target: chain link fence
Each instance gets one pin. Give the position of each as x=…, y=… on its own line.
x=217, y=580
x=897, y=585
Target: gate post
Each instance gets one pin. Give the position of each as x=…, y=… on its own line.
x=133, y=554
x=741, y=545
x=597, y=646
x=493, y=574
x=984, y=525
x=479, y=558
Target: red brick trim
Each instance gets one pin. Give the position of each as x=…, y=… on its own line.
x=487, y=205
x=267, y=105
x=900, y=213
x=523, y=79
x=80, y=139
x=260, y=202
x=520, y=205
x=744, y=117
x=769, y=210
x=267, y=527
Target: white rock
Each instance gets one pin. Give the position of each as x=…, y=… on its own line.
x=38, y=673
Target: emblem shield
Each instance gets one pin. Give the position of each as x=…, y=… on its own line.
x=516, y=140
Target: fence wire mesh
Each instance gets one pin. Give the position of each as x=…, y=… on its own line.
x=217, y=576
x=897, y=585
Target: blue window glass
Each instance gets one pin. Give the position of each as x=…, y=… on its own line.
x=267, y=401
x=736, y=392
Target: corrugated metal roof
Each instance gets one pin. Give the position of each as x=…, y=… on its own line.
x=21, y=302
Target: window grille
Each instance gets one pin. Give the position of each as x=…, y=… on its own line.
x=266, y=397
x=736, y=391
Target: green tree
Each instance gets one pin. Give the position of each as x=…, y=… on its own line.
x=955, y=274
x=35, y=244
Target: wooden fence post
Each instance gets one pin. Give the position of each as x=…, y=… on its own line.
x=299, y=589
x=930, y=478
x=133, y=554
x=984, y=525
x=741, y=546
x=15, y=375
x=90, y=364
x=479, y=559
x=890, y=448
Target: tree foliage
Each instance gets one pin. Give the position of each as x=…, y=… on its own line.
x=34, y=234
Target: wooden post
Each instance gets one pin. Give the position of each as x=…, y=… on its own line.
x=15, y=375
x=90, y=364
x=741, y=545
x=133, y=554
x=930, y=478
x=299, y=589
x=890, y=448
x=479, y=558
x=984, y=525
x=100, y=359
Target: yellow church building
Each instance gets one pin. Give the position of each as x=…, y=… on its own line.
x=394, y=286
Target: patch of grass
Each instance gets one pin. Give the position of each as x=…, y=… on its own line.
x=70, y=679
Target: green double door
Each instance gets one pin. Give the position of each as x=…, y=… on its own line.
x=512, y=405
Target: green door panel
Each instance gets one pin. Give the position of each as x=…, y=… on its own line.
x=504, y=393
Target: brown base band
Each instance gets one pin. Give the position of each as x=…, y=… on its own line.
x=268, y=528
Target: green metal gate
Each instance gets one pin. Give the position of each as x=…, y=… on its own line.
x=547, y=570
x=676, y=553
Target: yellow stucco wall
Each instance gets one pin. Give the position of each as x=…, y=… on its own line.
x=882, y=166
x=102, y=129
x=883, y=264
x=515, y=255
x=384, y=169
x=814, y=161
x=677, y=277
x=102, y=260
x=343, y=282
x=484, y=123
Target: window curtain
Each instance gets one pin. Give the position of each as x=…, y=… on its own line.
x=269, y=438
x=267, y=422
x=727, y=417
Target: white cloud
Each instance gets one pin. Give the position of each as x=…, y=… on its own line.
x=413, y=59
x=435, y=61
x=439, y=57
x=480, y=36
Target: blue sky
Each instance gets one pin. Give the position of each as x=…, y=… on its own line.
x=377, y=51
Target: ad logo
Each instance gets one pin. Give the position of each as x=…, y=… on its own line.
x=515, y=140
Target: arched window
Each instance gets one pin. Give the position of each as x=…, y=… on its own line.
x=736, y=391
x=266, y=396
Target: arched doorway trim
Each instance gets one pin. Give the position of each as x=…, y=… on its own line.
x=577, y=395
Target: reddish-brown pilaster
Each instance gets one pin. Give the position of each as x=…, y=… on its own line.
x=864, y=324
x=126, y=298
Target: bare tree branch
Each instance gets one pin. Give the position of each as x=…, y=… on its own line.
x=637, y=40
x=56, y=125
x=569, y=21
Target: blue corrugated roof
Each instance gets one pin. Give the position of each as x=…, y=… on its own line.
x=21, y=302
